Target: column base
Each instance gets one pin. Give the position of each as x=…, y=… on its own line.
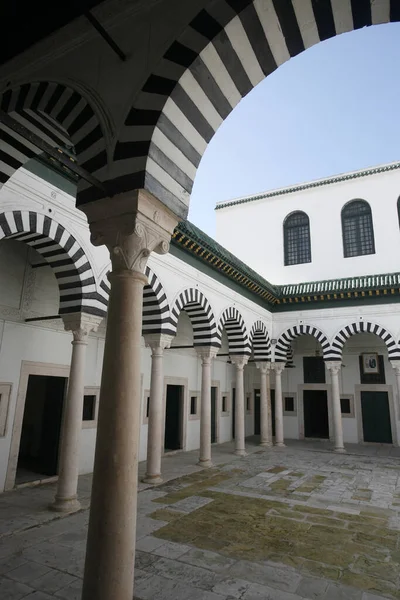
x=65, y=505
x=153, y=479
x=206, y=464
x=266, y=444
x=340, y=450
x=240, y=453
x=280, y=444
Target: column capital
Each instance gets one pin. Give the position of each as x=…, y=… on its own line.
x=239, y=360
x=278, y=367
x=158, y=341
x=206, y=353
x=334, y=366
x=396, y=365
x=81, y=324
x=132, y=226
x=264, y=366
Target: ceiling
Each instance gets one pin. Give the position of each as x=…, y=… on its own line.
x=25, y=22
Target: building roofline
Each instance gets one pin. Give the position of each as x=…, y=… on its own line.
x=310, y=184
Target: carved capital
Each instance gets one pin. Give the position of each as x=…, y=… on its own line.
x=264, y=366
x=81, y=325
x=239, y=360
x=131, y=225
x=206, y=353
x=278, y=367
x=396, y=366
x=333, y=366
x=158, y=342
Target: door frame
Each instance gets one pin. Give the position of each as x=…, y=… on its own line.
x=215, y=383
x=29, y=368
x=322, y=387
x=376, y=387
x=183, y=382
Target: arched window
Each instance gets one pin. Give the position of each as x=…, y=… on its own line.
x=398, y=209
x=357, y=229
x=296, y=233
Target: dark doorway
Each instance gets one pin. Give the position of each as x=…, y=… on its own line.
x=214, y=414
x=273, y=411
x=41, y=428
x=376, y=417
x=233, y=412
x=173, y=418
x=316, y=422
x=257, y=413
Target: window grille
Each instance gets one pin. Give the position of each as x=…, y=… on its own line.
x=297, y=242
x=357, y=229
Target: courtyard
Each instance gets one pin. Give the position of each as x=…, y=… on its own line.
x=281, y=523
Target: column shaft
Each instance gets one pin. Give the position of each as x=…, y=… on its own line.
x=155, y=429
x=66, y=495
x=279, y=439
x=336, y=407
x=240, y=424
x=264, y=417
x=205, y=413
x=110, y=551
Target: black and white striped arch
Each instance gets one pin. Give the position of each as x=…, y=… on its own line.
x=260, y=342
x=60, y=249
x=363, y=327
x=285, y=339
x=61, y=117
x=198, y=308
x=156, y=312
x=225, y=51
x=232, y=321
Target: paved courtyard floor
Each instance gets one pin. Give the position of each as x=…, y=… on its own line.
x=280, y=524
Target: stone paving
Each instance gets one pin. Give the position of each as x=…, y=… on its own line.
x=284, y=523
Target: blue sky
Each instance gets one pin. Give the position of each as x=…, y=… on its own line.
x=333, y=108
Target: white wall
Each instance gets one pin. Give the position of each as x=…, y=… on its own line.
x=253, y=231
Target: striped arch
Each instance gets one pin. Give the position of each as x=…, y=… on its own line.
x=363, y=327
x=76, y=282
x=260, y=341
x=224, y=52
x=236, y=331
x=156, y=313
x=290, y=358
x=59, y=116
x=201, y=316
x=284, y=341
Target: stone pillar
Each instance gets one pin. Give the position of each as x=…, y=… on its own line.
x=68, y=466
x=396, y=367
x=240, y=426
x=265, y=401
x=279, y=440
x=334, y=369
x=155, y=431
x=131, y=225
x=206, y=353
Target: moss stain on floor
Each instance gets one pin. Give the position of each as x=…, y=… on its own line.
x=359, y=550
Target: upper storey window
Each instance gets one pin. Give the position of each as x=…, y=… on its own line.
x=398, y=209
x=357, y=229
x=296, y=232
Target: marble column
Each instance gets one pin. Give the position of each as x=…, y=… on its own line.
x=265, y=401
x=334, y=369
x=206, y=353
x=131, y=225
x=68, y=466
x=240, y=425
x=279, y=439
x=155, y=430
x=396, y=367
